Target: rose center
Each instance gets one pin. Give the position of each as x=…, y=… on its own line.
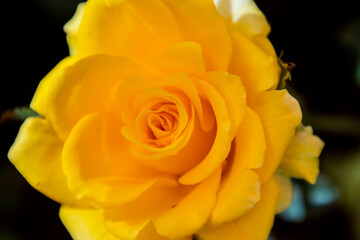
x=159, y=124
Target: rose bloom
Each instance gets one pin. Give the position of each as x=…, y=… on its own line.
x=166, y=122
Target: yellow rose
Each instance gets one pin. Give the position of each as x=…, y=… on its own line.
x=165, y=122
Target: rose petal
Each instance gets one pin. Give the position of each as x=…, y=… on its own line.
x=127, y=221
x=257, y=69
x=250, y=143
x=88, y=224
x=83, y=223
x=185, y=152
x=192, y=212
x=36, y=153
x=250, y=19
x=40, y=100
x=136, y=133
x=234, y=95
x=149, y=233
x=136, y=29
x=187, y=156
x=255, y=224
x=285, y=192
x=280, y=114
x=108, y=175
x=200, y=22
x=125, y=94
x=182, y=82
x=248, y=151
x=222, y=143
x=245, y=15
x=71, y=29
x=162, y=158
x=301, y=159
x=182, y=57
x=234, y=202
x=264, y=43
x=126, y=230
x=76, y=91
x=156, y=95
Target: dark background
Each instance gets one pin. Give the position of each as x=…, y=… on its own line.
x=321, y=37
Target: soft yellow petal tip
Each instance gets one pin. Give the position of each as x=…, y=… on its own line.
x=245, y=15
x=285, y=192
x=71, y=28
x=85, y=223
x=36, y=153
x=301, y=159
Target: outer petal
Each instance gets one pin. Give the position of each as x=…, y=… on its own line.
x=255, y=224
x=76, y=91
x=128, y=220
x=245, y=15
x=200, y=22
x=257, y=69
x=301, y=159
x=232, y=201
x=71, y=29
x=40, y=100
x=126, y=230
x=108, y=175
x=250, y=143
x=182, y=57
x=285, y=192
x=280, y=114
x=263, y=42
x=36, y=153
x=135, y=29
x=149, y=233
x=192, y=212
x=88, y=224
x=248, y=151
x=85, y=224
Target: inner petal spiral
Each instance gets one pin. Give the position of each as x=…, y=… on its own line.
x=162, y=123
x=157, y=123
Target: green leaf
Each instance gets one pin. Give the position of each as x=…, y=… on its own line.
x=24, y=112
x=18, y=114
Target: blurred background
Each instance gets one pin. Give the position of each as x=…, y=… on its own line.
x=321, y=37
